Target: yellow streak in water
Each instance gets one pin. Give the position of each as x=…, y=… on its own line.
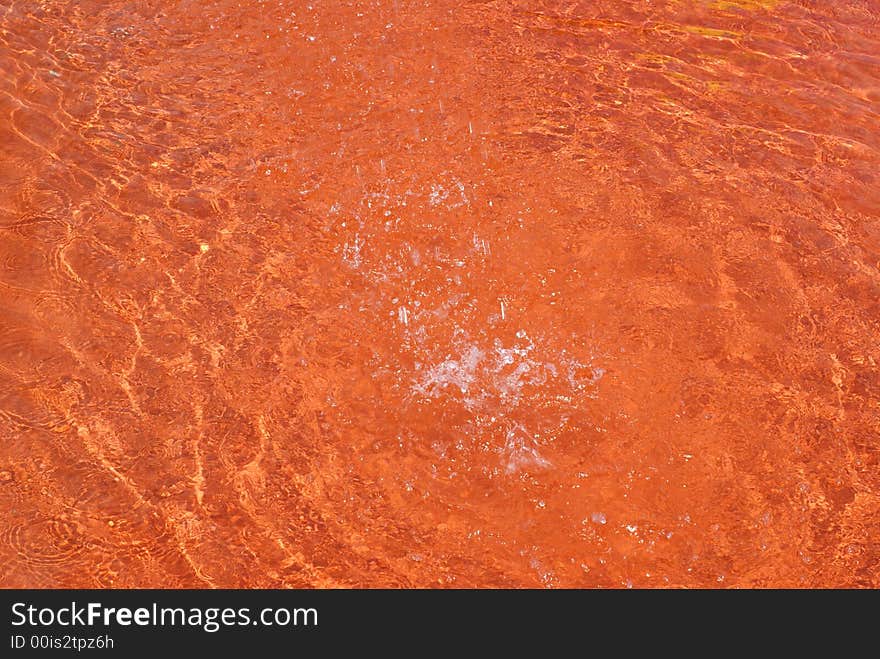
x=749, y=5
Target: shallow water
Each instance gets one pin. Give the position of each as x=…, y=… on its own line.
x=445, y=294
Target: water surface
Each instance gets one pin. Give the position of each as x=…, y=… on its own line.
x=439, y=294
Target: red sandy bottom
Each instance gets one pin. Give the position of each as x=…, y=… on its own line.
x=439, y=294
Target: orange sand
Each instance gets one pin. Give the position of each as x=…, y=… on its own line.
x=439, y=293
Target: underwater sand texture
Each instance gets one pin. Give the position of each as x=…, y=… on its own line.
x=434, y=293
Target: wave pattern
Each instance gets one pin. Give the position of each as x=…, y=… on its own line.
x=408, y=293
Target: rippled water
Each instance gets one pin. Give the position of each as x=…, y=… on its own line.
x=436, y=293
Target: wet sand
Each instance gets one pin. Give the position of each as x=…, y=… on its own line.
x=439, y=294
